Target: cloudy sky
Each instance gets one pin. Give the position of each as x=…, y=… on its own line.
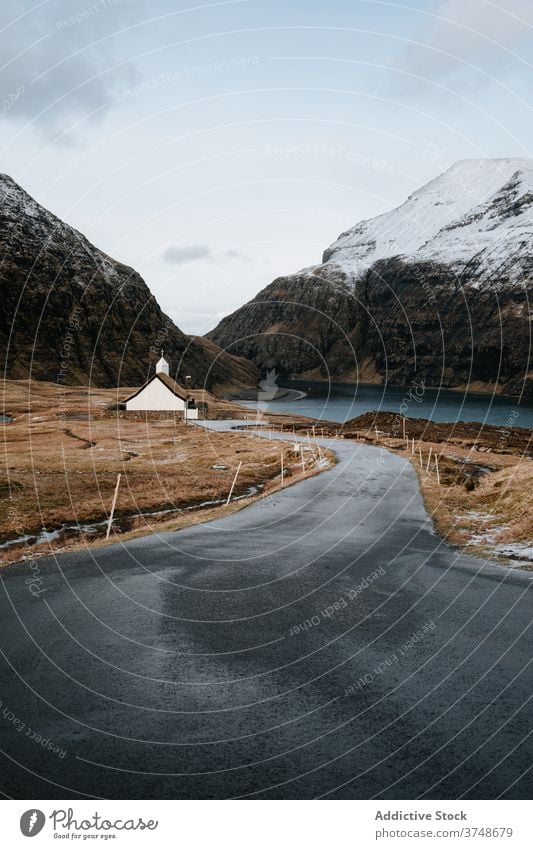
x=214, y=146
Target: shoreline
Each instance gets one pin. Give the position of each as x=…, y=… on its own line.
x=482, y=503
x=476, y=388
x=195, y=514
x=342, y=402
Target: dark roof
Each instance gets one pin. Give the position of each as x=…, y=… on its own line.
x=172, y=385
x=169, y=382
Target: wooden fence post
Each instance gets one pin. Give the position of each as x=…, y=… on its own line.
x=110, y=520
x=234, y=482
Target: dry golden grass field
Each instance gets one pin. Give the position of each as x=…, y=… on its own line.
x=62, y=451
x=61, y=454
x=482, y=496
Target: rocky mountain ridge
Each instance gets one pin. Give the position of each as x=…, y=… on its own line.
x=72, y=314
x=436, y=290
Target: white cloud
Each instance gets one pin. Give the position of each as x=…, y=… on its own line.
x=466, y=33
x=189, y=253
x=58, y=60
x=475, y=19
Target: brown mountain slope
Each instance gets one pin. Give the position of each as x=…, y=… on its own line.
x=70, y=313
x=436, y=291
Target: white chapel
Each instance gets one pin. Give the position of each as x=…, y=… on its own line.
x=162, y=394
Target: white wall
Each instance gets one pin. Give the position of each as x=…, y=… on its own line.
x=155, y=396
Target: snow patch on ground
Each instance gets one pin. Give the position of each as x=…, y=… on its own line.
x=479, y=517
x=516, y=550
x=487, y=536
x=521, y=553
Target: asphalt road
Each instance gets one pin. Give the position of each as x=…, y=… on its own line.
x=323, y=642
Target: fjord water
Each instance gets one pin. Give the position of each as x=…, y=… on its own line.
x=340, y=402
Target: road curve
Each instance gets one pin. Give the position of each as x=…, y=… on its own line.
x=323, y=642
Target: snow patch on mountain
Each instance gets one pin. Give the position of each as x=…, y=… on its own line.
x=494, y=240
x=48, y=235
x=477, y=206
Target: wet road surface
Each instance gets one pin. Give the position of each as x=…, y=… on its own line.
x=323, y=642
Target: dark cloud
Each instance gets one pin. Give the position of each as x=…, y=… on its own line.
x=62, y=61
x=187, y=253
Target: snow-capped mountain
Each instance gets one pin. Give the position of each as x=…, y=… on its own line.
x=70, y=313
x=379, y=306
x=443, y=220
x=494, y=239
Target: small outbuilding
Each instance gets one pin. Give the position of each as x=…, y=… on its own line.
x=162, y=394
